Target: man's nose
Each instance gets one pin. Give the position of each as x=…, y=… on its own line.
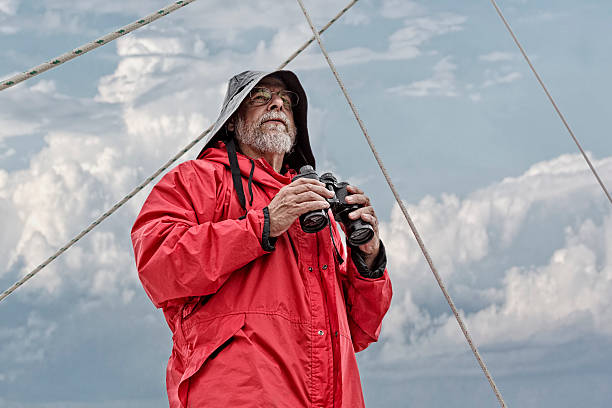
x=276, y=103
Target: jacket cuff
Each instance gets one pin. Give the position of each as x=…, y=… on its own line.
x=378, y=268
x=267, y=242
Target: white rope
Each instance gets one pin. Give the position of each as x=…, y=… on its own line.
x=406, y=215
x=550, y=98
x=154, y=175
x=85, y=48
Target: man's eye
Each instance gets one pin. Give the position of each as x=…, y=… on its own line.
x=260, y=96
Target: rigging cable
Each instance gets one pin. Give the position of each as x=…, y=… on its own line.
x=154, y=175
x=406, y=215
x=550, y=98
x=85, y=48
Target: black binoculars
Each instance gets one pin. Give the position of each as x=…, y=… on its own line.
x=358, y=232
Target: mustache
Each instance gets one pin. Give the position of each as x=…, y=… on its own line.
x=273, y=115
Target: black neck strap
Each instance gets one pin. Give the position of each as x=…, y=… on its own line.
x=235, y=169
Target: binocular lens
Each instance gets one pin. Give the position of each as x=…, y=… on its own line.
x=361, y=236
x=314, y=222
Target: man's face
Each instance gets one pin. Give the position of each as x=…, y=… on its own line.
x=267, y=127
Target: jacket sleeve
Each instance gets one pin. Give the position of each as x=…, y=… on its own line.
x=180, y=249
x=367, y=299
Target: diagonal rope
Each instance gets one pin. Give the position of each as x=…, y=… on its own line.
x=154, y=175
x=406, y=215
x=85, y=48
x=550, y=98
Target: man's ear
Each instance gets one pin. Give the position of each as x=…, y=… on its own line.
x=230, y=125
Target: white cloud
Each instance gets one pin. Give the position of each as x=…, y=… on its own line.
x=572, y=290
x=23, y=345
x=130, y=79
x=7, y=29
x=555, y=290
x=497, y=56
x=442, y=83
x=504, y=73
x=6, y=153
x=68, y=183
x=53, y=21
x=64, y=16
x=44, y=86
x=416, y=32
x=405, y=43
x=135, y=45
x=16, y=127
x=401, y=9
x=134, y=7
x=9, y=6
x=79, y=173
x=497, y=78
x=356, y=18
x=33, y=108
x=11, y=225
x=542, y=17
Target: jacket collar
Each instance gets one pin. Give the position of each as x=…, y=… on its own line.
x=263, y=173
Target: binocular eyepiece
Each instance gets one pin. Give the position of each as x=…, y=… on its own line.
x=358, y=232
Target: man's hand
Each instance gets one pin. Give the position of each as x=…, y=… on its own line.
x=299, y=197
x=366, y=213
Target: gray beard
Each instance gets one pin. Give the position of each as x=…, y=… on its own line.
x=273, y=139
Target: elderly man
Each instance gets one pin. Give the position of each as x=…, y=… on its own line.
x=263, y=314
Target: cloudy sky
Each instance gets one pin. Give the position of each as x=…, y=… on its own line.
x=515, y=222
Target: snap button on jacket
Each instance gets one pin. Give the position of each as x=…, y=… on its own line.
x=251, y=328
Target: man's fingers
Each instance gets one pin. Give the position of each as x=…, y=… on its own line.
x=305, y=181
x=357, y=196
x=365, y=213
x=358, y=199
x=304, y=187
x=354, y=189
x=308, y=196
x=370, y=219
x=311, y=206
x=302, y=180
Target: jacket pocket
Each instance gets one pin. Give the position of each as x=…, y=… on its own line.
x=205, y=340
x=192, y=306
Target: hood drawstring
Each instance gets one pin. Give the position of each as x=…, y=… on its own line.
x=237, y=178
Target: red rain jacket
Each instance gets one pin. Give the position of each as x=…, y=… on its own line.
x=251, y=328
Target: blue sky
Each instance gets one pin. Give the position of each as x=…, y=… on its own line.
x=516, y=224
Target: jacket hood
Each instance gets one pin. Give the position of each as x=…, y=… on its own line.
x=239, y=87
